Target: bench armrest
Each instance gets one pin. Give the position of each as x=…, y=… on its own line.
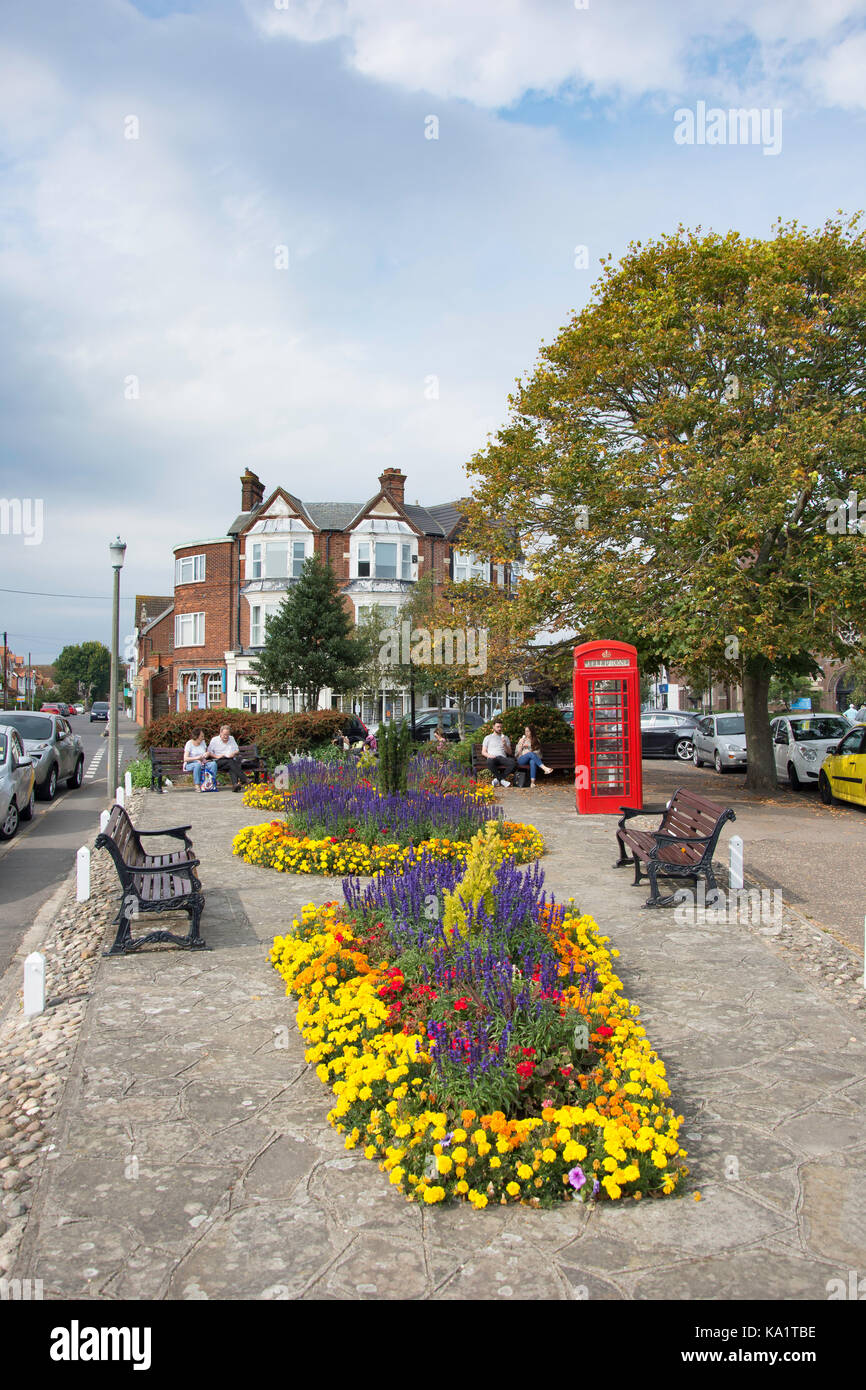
x=655, y=809
x=177, y=831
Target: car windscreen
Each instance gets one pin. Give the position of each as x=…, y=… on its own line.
x=808, y=730
x=731, y=724
x=97, y=704
x=30, y=725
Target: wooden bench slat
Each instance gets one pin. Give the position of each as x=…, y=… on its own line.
x=692, y=824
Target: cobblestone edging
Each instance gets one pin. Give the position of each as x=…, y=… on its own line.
x=36, y=1054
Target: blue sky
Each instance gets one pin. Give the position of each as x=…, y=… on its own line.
x=146, y=266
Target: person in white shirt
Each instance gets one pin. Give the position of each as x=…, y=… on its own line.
x=224, y=750
x=860, y=716
x=851, y=714
x=496, y=748
x=196, y=760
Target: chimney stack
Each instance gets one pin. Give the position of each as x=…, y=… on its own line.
x=252, y=491
x=393, y=484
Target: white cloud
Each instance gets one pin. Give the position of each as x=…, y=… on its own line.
x=493, y=52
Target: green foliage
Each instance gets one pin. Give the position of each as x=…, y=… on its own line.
x=276, y=735
x=546, y=721
x=394, y=750
x=308, y=643
x=140, y=772
x=83, y=672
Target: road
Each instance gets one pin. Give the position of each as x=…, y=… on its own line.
x=34, y=863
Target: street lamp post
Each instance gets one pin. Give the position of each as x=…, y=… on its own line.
x=117, y=550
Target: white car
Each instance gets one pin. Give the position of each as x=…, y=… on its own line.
x=801, y=743
x=17, y=783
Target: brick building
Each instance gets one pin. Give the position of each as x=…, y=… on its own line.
x=150, y=670
x=225, y=588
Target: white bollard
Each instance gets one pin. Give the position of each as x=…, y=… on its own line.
x=34, y=984
x=127, y=783
x=119, y=797
x=736, y=849
x=103, y=820
x=82, y=889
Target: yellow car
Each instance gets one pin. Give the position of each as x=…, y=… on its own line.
x=843, y=772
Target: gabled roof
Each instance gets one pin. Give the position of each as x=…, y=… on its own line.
x=152, y=622
x=334, y=516
x=154, y=603
x=447, y=515
x=248, y=519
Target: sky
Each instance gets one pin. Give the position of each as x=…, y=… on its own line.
x=318, y=238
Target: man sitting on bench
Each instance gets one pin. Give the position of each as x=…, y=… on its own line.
x=226, y=754
x=496, y=748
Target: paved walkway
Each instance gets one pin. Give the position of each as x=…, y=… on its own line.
x=193, y=1160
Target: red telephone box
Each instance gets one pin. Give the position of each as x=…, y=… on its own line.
x=607, y=743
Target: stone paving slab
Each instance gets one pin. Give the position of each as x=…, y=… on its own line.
x=192, y=1159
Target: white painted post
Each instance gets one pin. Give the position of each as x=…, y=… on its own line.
x=736, y=849
x=34, y=984
x=82, y=890
x=127, y=783
x=119, y=797
x=103, y=820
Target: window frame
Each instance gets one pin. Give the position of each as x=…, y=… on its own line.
x=178, y=621
x=197, y=578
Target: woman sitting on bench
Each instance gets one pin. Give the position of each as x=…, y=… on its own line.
x=528, y=754
x=196, y=760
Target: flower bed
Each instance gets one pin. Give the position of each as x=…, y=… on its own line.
x=274, y=846
x=477, y=1040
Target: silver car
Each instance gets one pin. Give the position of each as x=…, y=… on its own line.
x=720, y=739
x=801, y=742
x=57, y=753
x=17, y=784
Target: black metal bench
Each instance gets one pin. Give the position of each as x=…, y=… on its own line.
x=682, y=846
x=165, y=761
x=152, y=882
x=559, y=756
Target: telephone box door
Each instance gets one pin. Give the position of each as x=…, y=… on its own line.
x=607, y=739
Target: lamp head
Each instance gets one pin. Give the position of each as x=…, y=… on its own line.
x=117, y=550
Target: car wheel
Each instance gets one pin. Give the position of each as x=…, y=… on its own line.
x=825, y=789
x=27, y=811
x=685, y=750
x=74, y=782
x=718, y=764
x=698, y=762
x=49, y=787
x=796, y=784
x=10, y=824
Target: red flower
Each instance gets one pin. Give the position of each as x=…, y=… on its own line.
x=528, y=1051
x=461, y=1004
x=525, y=1069
x=604, y=1031
x=333, y=839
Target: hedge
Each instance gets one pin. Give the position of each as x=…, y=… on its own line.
x=276, y=735
x=545, y=720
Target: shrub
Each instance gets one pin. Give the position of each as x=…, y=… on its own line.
x=546, y=720
x=140, y=772
x=276, y=735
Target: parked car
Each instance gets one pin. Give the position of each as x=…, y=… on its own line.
x=50, y=709
x=666, y=733
x=425, y=724
x=77, y=709
x=99, y=710
x=56, y=752
x=355, y=729
x=720, y=739
x=801, y=742
x=17, y=783
x=843, y=772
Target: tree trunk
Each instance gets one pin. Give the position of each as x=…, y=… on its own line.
x=461, y=716
x=761, y=770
